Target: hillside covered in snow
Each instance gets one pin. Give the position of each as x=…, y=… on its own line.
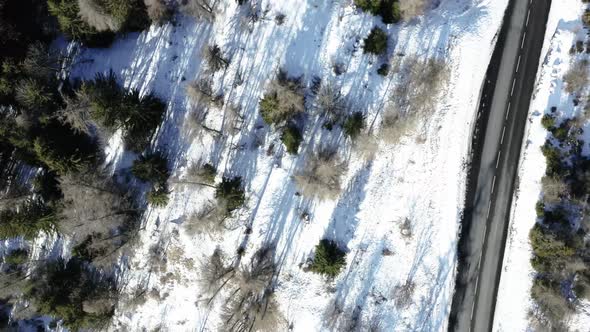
x=365, y=168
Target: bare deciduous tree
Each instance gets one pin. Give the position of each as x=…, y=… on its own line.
x=412, y=8
x=201, y=93
x=553, y=189
x=158, y=11
x=321, y=176
x=403, y=293
x=201, y=9
x=209, y=220
x=330, y=102
x=93, y=13
x=576, y=78
x=214, y=57
x=366, y=145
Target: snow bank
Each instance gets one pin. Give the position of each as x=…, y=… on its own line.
x=421, y=179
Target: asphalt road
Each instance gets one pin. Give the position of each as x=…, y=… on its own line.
x=496, y=146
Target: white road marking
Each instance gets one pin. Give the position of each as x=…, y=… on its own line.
x=508, y=110
x=518, y=64
x=502, y=139
x=493, y=184
x=489, y=207
x=498, y=159
x=513, y=83
x=523, y=38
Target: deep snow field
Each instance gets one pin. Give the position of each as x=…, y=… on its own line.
x=421, y=179
x=514, y=302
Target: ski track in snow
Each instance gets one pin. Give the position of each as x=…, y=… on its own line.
x=422, y=178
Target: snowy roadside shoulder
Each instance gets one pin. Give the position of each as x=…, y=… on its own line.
x=514, y=302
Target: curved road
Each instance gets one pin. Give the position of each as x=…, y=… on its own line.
x=496, y=146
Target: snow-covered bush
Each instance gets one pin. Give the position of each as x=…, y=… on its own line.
x=158, y=196
x=283, y=100
x=321, y=176
x=96, y=15
x=292, y=138
x=375, y=42
x=328, y=258
x=209, y=219
x=204, y=173
x=329, y=101
x=394, y=126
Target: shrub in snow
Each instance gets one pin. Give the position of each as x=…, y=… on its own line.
x=230, y=193
x=375, y=42
x=586, y=17
x=203, y=173
x=151, y=167
x=214, y=58
x=328, y=258
x=158, y=196
x=292, y=138
x=394, y=126
x=321, y=176
x=354, y=124
x=403, y=293
x=283, y=100
x=383, y=70
x=552, y=155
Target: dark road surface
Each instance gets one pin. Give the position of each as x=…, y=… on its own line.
x=496, y=146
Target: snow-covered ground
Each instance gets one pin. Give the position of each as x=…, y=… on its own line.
x=564, y=28
x=421, y=179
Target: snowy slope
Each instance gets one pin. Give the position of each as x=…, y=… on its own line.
x=514, y=302
x=422, y=178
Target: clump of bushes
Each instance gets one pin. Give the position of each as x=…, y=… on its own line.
x=376, y=42
x=229, y=193
x=153, y=167
x=283, y=101
x=576, y=78
x=292, y=138
x=548, y=121
x=389, y=10
x=116, y=108
x=70, y=292
x=328, y=258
